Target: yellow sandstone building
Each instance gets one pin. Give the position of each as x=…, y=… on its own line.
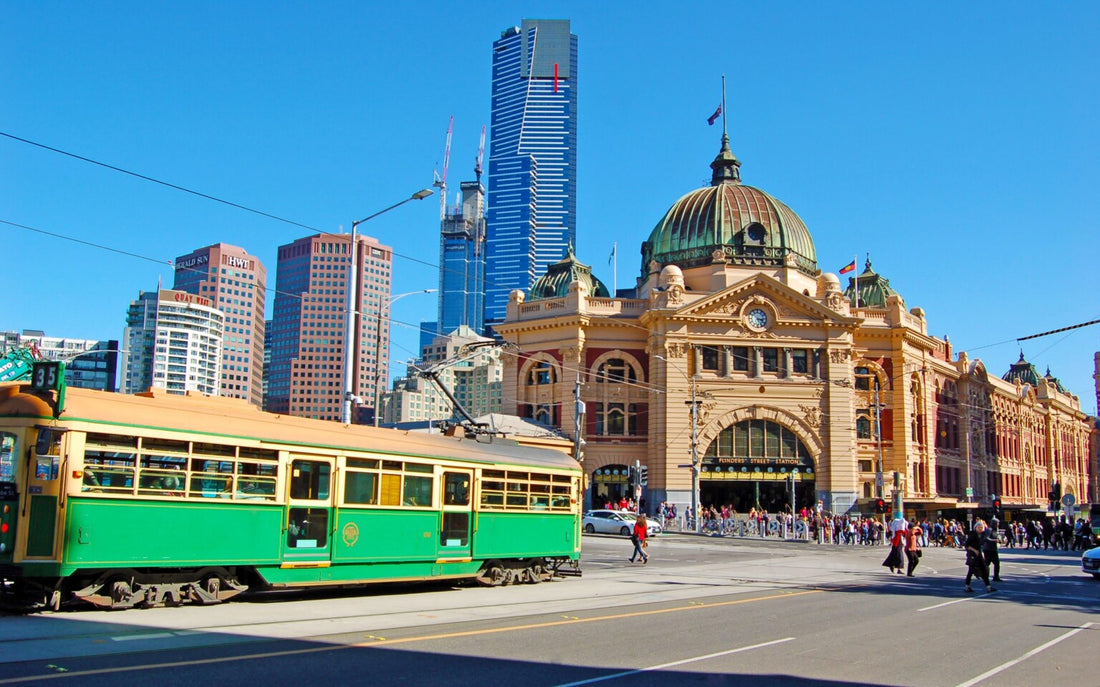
x=736, y=354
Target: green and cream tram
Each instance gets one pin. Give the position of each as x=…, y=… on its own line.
x=154, y=499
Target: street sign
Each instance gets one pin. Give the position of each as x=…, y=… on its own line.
x=1068, y=501
x=970, y=492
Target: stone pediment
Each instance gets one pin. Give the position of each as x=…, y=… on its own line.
x=781, y=304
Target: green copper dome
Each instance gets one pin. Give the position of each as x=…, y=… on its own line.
x=555, y=283
x=1022, y=371
x=746, y=225
x=874, y=289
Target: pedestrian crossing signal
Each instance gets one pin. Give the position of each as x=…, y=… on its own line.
x=880, y=506
x=643, y=475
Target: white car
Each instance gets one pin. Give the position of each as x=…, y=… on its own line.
x=616, y=522
x=1090, y=562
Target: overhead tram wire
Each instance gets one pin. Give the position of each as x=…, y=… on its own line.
x=200, y=194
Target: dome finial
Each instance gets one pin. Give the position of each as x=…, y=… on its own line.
x=726, y=166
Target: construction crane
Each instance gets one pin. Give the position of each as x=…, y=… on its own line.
x=480, y=155
x=441, y=179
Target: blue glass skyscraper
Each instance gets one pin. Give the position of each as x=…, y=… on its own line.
x=532, y=157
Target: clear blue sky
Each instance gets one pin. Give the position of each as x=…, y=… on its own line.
x=957, y=143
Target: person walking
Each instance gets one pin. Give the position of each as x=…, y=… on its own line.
x=913, y=550
x=639, y=539
x=899, y=536
x=990, y=540
x=975, y=562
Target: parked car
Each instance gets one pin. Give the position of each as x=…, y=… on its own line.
x=616, y=522
x=1090, y=562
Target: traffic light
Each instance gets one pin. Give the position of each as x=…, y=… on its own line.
x=631, y=478
x=996, y=504
x=880, y=506
x=643, y=475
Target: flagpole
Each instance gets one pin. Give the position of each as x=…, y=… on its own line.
x=855, y=295
x=724, y=131
x=614, y=269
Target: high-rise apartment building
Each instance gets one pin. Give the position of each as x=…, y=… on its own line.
x=474, y=379
x=173, y=341
x=89, y=364
x=532, y=157
x=306, y=375
x=462, y=263
x=236, y=283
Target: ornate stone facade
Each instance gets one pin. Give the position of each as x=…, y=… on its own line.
x=791, y=383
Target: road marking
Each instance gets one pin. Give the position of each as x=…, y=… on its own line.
x=956, y=601
x=404, y=640
x=627, y=673
x=1021, y=659
x=148, y=635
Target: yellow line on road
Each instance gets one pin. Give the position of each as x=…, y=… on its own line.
x=694, y=606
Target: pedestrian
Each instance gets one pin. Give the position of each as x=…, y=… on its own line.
x=899, y=537
x=639, y=539
x=975, y=562
x=913, y=550
x=990, y=540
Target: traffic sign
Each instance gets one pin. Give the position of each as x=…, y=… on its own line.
x=1068, y=500
x=969, y=492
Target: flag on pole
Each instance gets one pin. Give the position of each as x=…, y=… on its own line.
x=711, y=119
x=850, y=267
x=611, y=259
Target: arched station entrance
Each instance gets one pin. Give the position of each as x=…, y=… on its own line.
x=609, y=484
x=754, y=463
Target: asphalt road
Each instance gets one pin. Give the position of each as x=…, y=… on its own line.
x=704, y=611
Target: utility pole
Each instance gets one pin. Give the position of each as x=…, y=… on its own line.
x=694, y=455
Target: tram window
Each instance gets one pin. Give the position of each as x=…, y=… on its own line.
x=164, y=446
x=256, y=480
x=258, y=454
x=456, y=489
x=391, y=490
x=362, y=463
x=108, y=470
x=211, y=478
x=361, y=487
x=162, y=475
x=418, y=491
x=307, y=528
x=220, y=450
x=540, y=496
x=309, y=480
x=456, y=529
x=7, y=457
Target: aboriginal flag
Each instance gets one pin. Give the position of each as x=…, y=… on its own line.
x=850, y=267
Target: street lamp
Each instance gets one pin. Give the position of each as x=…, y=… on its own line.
x=352, y=296
x=378, y=349
x=694, y=403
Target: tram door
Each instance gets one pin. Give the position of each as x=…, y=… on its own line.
x=41, y=487
x=307, y=539
x=455, y=529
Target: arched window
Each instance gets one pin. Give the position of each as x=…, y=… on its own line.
x=863, y=425
x=758, y=439
x=542, y=372
x=615, y=370
x=616, y=419
x=864, y=379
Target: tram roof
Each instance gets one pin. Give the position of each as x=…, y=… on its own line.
x=229, y=418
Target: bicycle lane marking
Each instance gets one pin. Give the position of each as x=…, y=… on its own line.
x=1005, y=666
x=694, y=659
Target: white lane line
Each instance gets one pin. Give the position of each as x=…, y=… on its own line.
x=149, y=635
x=1009, y=664
x=956, y=601
x=627, y=673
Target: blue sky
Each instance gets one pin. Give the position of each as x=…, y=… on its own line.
x=956, y=143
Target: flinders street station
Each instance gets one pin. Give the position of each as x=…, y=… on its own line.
x=737, y=355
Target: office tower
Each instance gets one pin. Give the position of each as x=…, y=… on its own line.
x=532, y=157
x=173, y=341
x=89, y=364
x=306, y=377
x=462, y=263
x=236, y=283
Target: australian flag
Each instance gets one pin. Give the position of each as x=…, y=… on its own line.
x=711, y=119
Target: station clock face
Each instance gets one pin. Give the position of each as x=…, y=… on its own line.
x=757, y=318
